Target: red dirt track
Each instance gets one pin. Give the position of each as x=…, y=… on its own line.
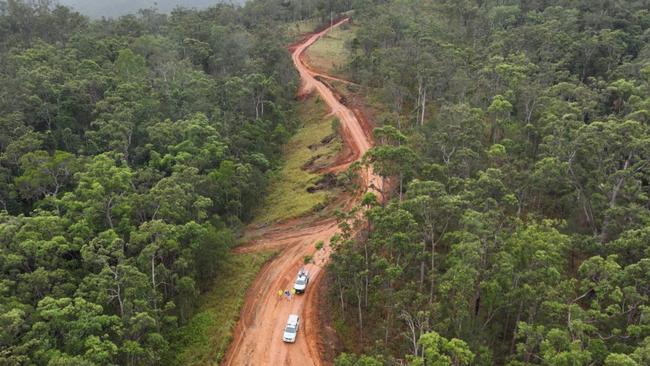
x=258, y=335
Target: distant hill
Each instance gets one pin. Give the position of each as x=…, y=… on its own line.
x=116, y=8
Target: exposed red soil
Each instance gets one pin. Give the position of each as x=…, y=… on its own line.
x=258, y=335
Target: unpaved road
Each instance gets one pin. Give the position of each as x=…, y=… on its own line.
x=258, y=334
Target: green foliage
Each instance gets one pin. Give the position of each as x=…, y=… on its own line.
x=44, y=174
x=617, y=359
x=345, y=359
x=131, y=151
x=518, y=134
x=319, y=245
x=439, y=351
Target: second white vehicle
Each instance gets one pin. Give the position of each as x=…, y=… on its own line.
x=291, y=329
x=302, y=280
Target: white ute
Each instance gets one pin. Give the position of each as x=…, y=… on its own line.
x=301, y=281
x=291, y=330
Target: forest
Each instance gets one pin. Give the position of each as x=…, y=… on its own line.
x=515, y=139
x=512, y=139
x=132, y=150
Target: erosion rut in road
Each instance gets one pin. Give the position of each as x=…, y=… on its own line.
x=258, y=335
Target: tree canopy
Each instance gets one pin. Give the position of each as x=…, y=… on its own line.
x=517, y=235
x=131, y=152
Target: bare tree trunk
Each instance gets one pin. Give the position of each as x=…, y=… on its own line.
x=338, y=281
x=586, y=205
x=422, y=270
x=153, y=282
x=413, y=337
x=619, y=183
x=434, y=243
x=514, y=333
x=119, y=299
x=366, y=278
x=389, y=319
x=401, y=182
x=129, y=139
x=433, y=271
x=360, y=314
x=424, y=103
x=109, y=207
x=612, y=201
x=118, y=292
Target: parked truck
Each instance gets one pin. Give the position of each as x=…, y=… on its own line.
x=302, y=280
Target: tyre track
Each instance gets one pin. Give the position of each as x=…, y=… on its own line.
x=258, y=334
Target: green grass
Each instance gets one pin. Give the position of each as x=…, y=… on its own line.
x=331, y=53
x=206, y=337
x=288, y=196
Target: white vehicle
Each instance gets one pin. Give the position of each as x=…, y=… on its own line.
x=301, y=282
x=291, y=330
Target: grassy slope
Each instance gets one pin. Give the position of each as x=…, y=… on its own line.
x=330, y=53
x=205, y=338
x=288, y=197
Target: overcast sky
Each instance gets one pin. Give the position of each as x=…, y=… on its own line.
x=112, y=8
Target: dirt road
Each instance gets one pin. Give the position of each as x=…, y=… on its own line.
x=258, y=335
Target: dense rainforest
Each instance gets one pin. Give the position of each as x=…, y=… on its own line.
x=515, y=138
x=131, y=152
